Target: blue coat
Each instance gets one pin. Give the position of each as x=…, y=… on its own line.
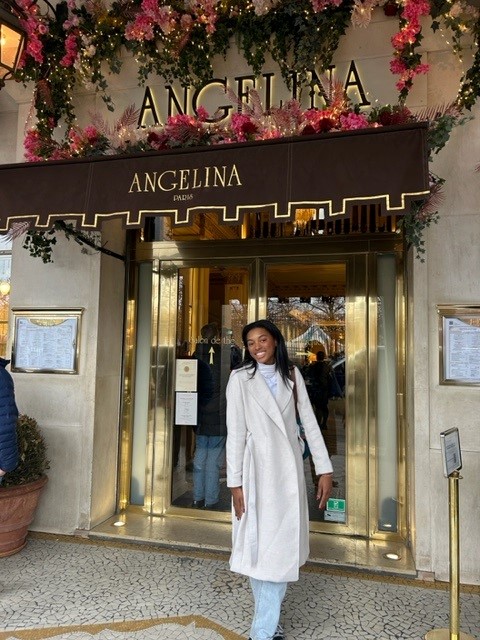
x=8, y=420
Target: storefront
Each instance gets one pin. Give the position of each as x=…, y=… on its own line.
x=326, y=266
x=320, y=253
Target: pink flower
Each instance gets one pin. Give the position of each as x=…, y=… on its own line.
x=351, y=121
x=166, y=20
x=321, y=120
x=140, y=29
x=413, y=9
x=393, y=115
x=157, y=141
x=71, y=47
x=320, y=5
x=186, y=21
x=422, y=68
x=91, y=134
x=397, y=66
x=150, y=8
x=243, y=126
x=202, y=114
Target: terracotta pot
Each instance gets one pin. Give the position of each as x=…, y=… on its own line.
x=17, y=510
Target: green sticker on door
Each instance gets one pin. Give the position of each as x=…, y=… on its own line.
x=335, y=511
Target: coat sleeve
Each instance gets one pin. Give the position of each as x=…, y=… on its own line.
x=8, y=423
x=236, y=431
x=312, y=430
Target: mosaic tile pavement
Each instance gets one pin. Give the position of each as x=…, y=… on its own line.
x=73, y=589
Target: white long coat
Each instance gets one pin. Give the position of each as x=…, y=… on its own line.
x=264, y=456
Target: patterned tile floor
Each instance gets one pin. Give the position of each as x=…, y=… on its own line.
x=72, y=589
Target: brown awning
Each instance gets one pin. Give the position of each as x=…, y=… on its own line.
x=386, y=166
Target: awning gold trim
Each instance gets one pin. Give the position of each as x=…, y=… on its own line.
x=333, y=172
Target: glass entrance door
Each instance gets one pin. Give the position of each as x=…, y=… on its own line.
x=212, y=310
x=341, y=316
x=307, y=303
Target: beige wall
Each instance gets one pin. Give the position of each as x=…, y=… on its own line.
x=77, y=413
x=447, y=277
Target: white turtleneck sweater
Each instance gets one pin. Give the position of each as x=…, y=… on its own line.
x=269, y=372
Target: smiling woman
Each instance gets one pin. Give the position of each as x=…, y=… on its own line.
x=261, y=345
x=265, y=472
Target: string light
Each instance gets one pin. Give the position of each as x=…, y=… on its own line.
x=109, y=33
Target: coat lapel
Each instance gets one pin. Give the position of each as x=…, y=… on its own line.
x=284, y=393
x=273, y=407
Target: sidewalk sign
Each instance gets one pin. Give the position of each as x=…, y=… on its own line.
x=452, y=463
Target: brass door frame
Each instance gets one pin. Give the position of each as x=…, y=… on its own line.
x=400, y=339
x=168, y=257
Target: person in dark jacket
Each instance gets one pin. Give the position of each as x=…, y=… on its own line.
x=8, y=422
x=211, y=430
x=318, y=378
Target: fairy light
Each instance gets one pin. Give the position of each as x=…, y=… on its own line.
x=103, y=33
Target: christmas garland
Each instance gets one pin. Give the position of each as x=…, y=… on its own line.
x=71, y=44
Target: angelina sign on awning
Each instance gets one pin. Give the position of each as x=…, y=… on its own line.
x=386, y=166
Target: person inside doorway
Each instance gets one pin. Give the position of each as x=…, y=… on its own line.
x=265, y=472
x=319, y=379
x=211, y=431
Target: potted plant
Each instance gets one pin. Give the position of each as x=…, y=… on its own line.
x=21, y=488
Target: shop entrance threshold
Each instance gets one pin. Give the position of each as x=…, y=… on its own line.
x=213, y=537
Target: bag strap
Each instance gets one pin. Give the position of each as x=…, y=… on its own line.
x=292, y=378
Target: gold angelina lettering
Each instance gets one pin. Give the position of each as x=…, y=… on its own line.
x=186, y=179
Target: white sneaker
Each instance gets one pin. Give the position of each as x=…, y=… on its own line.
x=279, y=633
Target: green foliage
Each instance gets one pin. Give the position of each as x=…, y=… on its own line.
x=470, y=90
x=33, y=462
x=39, y=244
x=296, y=37
x=440, y=128
x=421, y=215
x=413, y=227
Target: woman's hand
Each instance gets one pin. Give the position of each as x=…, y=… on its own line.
x=238, y=501
x=324, y=489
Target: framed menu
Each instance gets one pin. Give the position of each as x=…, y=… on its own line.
x=459, y=333
x=46, y=340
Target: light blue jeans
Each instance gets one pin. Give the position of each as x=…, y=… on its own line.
x=207, y=462
x=268, y=597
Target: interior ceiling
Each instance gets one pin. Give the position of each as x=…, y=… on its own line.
x=306, y=280
x=293, y=280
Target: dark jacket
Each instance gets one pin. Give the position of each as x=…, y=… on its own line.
x=8, y=420
x=211, y=419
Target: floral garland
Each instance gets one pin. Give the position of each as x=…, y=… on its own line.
x=253, y=123
x=250, y=123
x=407, y=62
x=68, y=44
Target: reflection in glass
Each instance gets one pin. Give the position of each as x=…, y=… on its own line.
x=212, y=310
x=307, y=303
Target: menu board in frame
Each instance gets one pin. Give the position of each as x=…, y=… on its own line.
x=459, y=334
x=46, y=340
